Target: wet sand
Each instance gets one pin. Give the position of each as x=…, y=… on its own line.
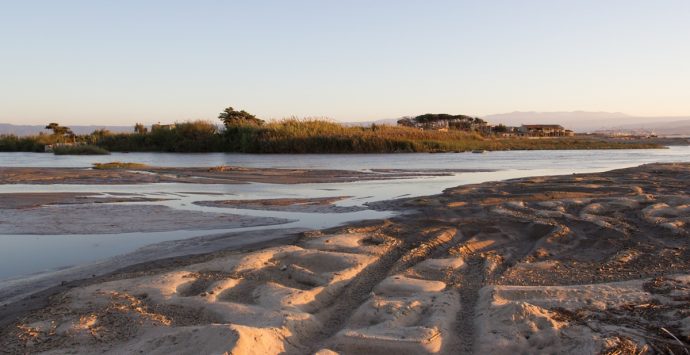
x=216, y=175
x=33, y=199
x=307, y=205
x=588, y=263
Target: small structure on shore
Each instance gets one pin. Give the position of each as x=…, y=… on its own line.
x=158, y=126
x=445, y=122
x=49, y=148
x=545, y=130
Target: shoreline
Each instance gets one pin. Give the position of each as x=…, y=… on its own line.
x=455, y=254
x=17, y=297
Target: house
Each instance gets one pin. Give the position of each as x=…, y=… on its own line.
x=444, y=122
x=545, y=130
x=49, y=148
x=506, y=131
x=158, y=126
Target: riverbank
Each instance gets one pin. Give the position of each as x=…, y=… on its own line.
x=309, y=137
x=568, y=264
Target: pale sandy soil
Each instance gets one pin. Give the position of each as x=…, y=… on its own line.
x=580, y=264
x=106, y=218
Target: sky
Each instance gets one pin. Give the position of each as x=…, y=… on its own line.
x=120, y=62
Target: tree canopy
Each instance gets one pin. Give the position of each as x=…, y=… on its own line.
x=140, y=128
x=461, y=122
x=232, y=117
x=432, y=117
x=61, y=133
x=59, y=130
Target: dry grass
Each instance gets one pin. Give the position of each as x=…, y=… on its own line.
x=118, y=165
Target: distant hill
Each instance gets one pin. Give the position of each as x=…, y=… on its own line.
x=665, y=128
x=579, y=121
x=26, y=130
x=582, y=121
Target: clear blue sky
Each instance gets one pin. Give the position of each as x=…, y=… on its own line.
x=118, y=62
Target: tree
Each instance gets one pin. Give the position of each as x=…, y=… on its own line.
x=407, y=122
x=60, y=131
x=501, y=128
x=140, y=128
x=231, y=118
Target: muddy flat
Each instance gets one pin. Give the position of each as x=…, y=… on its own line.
x=215, y=175
x=588, y=263
x=23, y=200
x=307, y=205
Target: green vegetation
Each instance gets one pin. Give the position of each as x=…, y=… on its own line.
x=118, y=165
x=61, y=133
x=187, y=137
x=37, y=143
x=319, y=136
x=140, y=128
x=243, y=132
x=82, y=149
x=231, y=118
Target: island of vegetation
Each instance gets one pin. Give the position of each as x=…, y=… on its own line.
x=245, y=133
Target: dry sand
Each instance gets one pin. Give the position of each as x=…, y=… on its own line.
x=593, y=263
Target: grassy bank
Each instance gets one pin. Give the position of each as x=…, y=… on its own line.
x=310, y=136
x=37, y=143
x=80, y=150
x=317, y=136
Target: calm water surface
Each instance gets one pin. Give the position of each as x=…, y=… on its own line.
x=491, y=160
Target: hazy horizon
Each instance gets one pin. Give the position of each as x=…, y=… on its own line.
x=555, y=116
x=101, y=63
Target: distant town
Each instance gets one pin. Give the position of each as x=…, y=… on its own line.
x=445, y=122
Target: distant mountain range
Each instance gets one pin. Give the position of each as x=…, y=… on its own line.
x=663, y=128
x=26, y=130
x=583, y=121
x=579, y=121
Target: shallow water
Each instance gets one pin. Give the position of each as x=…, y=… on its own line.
x=534, y=159
x=26, y=254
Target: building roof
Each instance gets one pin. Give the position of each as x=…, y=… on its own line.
x=542, y=126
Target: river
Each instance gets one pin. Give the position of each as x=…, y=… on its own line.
x=22, y=255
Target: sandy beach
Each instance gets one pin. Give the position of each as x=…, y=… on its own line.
x=583, y=263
